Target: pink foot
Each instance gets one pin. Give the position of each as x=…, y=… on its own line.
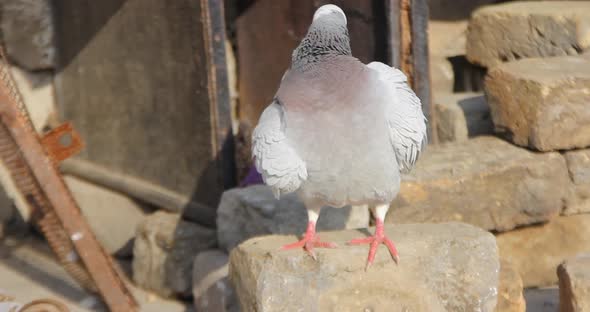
x=375, y=241
x=310, y=241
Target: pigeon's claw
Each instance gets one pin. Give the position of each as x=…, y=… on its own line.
x=310, y=241
x=376, y=240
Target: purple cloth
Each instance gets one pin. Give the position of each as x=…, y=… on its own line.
x=252, y=178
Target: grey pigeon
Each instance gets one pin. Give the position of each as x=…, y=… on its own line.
x=338, y=132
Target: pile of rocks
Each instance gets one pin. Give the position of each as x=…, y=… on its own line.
x=529, y=185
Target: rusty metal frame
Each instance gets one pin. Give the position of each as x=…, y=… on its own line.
x=34, y=170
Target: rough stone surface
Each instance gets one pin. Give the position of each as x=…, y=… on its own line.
x=515, y=30
x=574, y=284
x=443, y=267
x=28, y=31
x=36, y=89
x=510, y=297
x=542, y=103
x=578, y=165
x=445, y=39
x=252, y=211
x=212, y=290
x=164, y=250
x=485, y=182
x=536, y=251
x=113, y=217
x=462, y=115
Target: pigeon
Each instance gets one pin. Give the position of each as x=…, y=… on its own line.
x=338, y=132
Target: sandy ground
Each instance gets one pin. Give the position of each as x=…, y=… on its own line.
x=28, y=271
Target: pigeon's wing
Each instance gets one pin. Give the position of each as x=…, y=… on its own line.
x=278, y=163
x=406, y=121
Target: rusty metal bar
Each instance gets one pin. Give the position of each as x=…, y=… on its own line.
x=52, y=188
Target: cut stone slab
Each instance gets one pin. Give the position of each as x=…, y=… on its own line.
x=28, y=31
x=452, y=182
x=462, y=115
x=253, y=211
x=443, y=267
x=212, y=290
x=164, y=251
x=536, y=251
x=578, y=165
x=445, y=39
x=542, y=103
x=574, y=284
x=525, y=29
x=113, y=217
x=510, y=291
x=454, y=9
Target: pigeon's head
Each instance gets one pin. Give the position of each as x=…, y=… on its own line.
x=327, y=37
x=330, y=11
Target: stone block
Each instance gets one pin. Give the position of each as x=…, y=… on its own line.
x=525, y=29
x=574, y=284
x=443, y=267
x=536, y=251
x=461, y=115
x=510, y=291
x=578, y=165
x=484, y=181
x=542, y=103
x=164, y=251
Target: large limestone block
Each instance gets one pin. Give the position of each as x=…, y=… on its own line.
x=485, y=182
x=542, y=103
x=164, y=251
x=537, y=250
x=578, y=165
x=574, y=284
x=515, y=30
x=253, y=211
x=443, y=267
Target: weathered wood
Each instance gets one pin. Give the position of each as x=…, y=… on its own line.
x=407, y=22
x=421, y=68
x=144, y=82
x=268, y=32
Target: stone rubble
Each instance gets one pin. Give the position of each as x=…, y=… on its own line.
x=164, y=251
x=212, y=291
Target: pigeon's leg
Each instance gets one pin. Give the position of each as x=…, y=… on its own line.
x=378, y=238
x=310, y=240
